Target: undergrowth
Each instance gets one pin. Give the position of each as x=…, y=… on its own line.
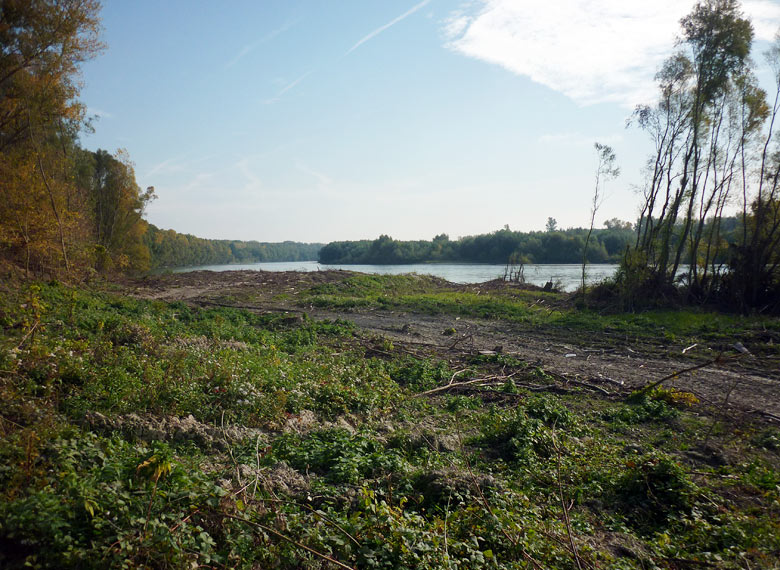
x=147, y=434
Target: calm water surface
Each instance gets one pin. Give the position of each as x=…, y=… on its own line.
x=567, y=274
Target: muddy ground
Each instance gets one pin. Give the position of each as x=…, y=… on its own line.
x=606, y=363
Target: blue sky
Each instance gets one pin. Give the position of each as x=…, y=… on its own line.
x=320, y=121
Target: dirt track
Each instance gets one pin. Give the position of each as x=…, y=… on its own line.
x=742, y=385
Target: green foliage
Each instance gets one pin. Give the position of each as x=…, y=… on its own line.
x=642, y=408
x=550, y=246
x=419, y=375
x=169, y=248
x=525, y=434
x=105, y=502
x=438, y=482
x=337, y=455
x=653, y=488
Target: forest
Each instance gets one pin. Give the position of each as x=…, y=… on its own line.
x=66, y=209
x=169, y=248
x=552, y=246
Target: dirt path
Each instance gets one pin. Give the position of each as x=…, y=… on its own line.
x=621, y=364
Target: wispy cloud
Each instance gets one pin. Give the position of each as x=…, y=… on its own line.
x=246, y=50
x=381, y=29
x=286, y=88
x=160, y=167
x=249, y=48
x=253, y=181
x=322, y=179
x=593, y=52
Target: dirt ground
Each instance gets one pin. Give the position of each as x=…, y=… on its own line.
x=605, y=362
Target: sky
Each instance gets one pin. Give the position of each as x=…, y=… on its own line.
x=316, y=121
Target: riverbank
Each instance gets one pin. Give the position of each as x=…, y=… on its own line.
x=333, y=419
x=564, y=277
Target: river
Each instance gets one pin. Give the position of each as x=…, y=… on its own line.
x=566, y=275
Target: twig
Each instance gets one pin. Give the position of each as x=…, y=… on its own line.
x=723, y=408
x=461, y=371
x=334, y=523
x=768, y=415
x=290, y=540
x=717, y=360
x=589, y=386
x=446, y=516
x=29, y=332
x=610, y=380
x=450, y=386
x=461, y=339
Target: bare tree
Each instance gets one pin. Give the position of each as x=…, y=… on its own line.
x=606, y=170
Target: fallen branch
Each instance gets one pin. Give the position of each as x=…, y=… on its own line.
x=589, y=386
x=334, y=523
x=461, y=339
x=456, y=385
x=450, y=386
x=29, y=332
x=717, y=360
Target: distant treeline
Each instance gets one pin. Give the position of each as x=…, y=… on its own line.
x=552, y=246
x=172, y=249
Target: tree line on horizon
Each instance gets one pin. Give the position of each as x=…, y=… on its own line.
x=550, y=246
x=169, y=248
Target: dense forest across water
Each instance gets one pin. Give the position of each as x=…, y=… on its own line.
x=551, y=246
x=169, y=248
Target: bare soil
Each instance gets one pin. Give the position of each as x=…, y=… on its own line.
x=607, y=362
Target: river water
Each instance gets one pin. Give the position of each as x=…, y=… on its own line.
x=567, y=275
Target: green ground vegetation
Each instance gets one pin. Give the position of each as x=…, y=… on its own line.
x=142, y=433
x=548, y=311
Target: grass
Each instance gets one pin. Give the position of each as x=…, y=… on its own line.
x=142, y=433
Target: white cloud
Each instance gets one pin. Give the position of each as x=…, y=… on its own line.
x=249, y=48
x=593, y=51
x=392, y=22
x=765, y=15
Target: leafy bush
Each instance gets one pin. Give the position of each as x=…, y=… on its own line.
x=642, y=408
x=104, y=502
x=651, y=489
x=515, y=436
x=337, y=455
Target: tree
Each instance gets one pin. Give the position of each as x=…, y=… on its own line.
x=551, y=225
x=617, y=224
x=606, y=169
x=42, y=44
x=703, y=126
